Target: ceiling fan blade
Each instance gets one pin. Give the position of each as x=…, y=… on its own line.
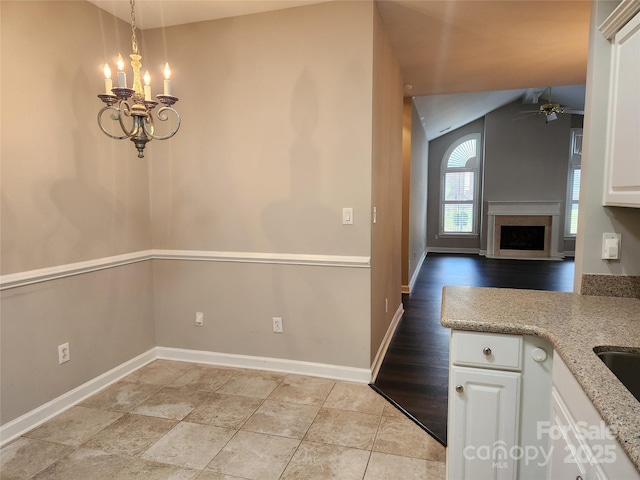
x=573, y=111
x=526, y=115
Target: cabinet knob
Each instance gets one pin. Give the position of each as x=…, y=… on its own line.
x=459, y=388
x=539, y=355
x=486, y=351
x=579, y=477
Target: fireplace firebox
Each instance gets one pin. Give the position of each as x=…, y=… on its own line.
x=522, y=237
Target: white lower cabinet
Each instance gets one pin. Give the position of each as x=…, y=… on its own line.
x=581, y=446
x=499, y=388
x=516, y=412
x=483, y=426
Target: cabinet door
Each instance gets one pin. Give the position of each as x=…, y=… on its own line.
x=565, y=449
x=483, y=424
x=622, y=184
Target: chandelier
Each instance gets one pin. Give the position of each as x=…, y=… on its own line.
x=131, y=108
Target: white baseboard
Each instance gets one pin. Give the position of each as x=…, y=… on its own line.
x=44, y=413
x=416, y=272
x=508, y=257
x=337, y=372
x=382, y=350
x=453, y=250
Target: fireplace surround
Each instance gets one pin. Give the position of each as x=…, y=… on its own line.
x=542, y=220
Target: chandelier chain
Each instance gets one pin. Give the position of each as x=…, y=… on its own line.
x=134, y=40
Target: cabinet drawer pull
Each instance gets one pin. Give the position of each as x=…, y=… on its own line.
x=459, y=388
x=578, y=477
x=486, y=351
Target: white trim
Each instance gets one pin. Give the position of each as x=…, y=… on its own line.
x=337, y=372
x=20, y=279
x=619, y=18
x=500, y=208
x=257, y=257
x=557, y=258
x=44, y=413
x=384, y=346
x=452, y=250
x=416, y=272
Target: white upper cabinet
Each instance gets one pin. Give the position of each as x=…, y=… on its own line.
x=622, y=173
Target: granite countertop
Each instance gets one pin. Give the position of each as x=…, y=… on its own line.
x=574, y=324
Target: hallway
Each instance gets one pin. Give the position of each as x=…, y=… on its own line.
x=414, y=373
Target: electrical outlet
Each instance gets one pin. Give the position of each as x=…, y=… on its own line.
x=199, y=319
x=277, y=325
x=64, y=354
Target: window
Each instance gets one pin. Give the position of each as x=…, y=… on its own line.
x=459, y=190
x=573, y=189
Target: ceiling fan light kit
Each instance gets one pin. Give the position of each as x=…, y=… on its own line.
x=551, y=109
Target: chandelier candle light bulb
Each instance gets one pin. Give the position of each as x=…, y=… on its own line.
x=147, y=86
x=108, y=84
x=167, y=79
x=122, y=76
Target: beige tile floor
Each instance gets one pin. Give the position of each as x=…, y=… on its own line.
x=175, y=420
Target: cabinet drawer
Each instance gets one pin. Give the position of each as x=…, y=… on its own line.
x=487, y=350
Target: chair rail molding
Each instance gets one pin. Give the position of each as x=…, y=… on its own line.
x=20, y=279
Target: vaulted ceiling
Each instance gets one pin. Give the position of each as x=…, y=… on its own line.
x=444, y=47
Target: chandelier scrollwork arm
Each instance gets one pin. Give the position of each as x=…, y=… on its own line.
x=163, y=117
x=113, y=116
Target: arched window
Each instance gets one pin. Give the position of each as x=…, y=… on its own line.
x=459, y=188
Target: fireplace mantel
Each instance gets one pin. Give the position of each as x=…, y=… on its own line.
x=522, y=209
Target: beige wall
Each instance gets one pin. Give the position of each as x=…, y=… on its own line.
x=386, y=242
x=276, y=138
x=594, y=219
x=69, y=194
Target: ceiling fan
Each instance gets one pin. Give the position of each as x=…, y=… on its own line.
x=551, y=109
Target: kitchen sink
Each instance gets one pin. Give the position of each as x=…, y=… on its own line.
x=625, y=366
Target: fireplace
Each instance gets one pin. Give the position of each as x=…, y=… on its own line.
x=522, y=237
x=523, y=230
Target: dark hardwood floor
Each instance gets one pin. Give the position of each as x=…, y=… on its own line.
x=414, y=374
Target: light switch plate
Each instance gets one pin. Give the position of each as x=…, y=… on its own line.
x=347, y=216
x=611, y=246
